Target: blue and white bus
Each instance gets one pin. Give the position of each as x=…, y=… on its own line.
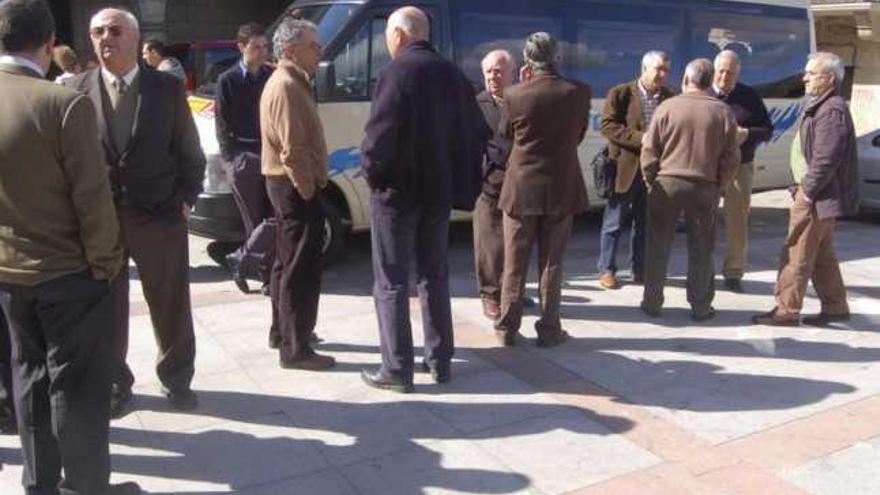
x=602, y=42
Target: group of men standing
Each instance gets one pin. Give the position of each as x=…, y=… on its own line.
x=68, y=232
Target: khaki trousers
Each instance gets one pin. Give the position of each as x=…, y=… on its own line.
x=552, y=233
x=737, y=200
x=808, y=255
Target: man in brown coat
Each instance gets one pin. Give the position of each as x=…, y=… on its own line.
x=689, y=154
x=628, y=111
x=294, y=161
x=546, y=117
x=59, y=250
x=827, y=189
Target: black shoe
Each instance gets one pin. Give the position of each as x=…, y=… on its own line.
x=771, y=318
x=127, y=488
x=234, y=264
x=823, y=319
x=703, y=315
x=734, y=285
x=120, y=398
x=649, y=310
x=311, y=362
x=528, y=302
x=182, y=399
x=376, y=378
x=552, y=339
x=265, y=290
x=440, y=372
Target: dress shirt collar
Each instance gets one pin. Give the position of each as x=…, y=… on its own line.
x=109, y=77
x=645, y=93
x=23, y=62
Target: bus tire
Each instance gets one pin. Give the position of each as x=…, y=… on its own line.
x=335, y=233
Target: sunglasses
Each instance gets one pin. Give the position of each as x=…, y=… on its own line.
x=99, y=31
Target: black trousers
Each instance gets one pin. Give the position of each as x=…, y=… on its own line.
x=398, y=236
x=61, y=334
x=248, y=184
x=160, y=249
x=7, y=410
x=296, y=275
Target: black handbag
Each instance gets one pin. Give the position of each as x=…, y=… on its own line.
x=604, y=173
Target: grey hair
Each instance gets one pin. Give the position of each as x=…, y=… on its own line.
x=502, y=54
x=290, y=32
x=729, y=54
x=699, y=72
x=541, y=51
x=653, y=58
x=411, y=21
x=831, y=63
x=130, y=18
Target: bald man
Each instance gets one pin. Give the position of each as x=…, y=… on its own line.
x=422, y=155
x=156, y=170
x=498, y=73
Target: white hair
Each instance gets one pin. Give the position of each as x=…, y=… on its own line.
x=291, y=32
x=831, y=63
x=699, y=72
x=727, y=54
x=130, y=18
x=411, y=21
x=653, y=58
x=497, y=55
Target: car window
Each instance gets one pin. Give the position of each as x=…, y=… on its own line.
x=216, y=61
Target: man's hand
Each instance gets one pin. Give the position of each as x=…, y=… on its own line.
x=742, y=134
x=187, y=211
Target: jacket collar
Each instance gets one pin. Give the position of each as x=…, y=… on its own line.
x=814, y=103
x=20, y=66
x=418, y=45
x=296, y=72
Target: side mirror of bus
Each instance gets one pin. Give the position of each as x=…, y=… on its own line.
x=325, y=80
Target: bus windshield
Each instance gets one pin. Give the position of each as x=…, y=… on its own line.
x=329, y=18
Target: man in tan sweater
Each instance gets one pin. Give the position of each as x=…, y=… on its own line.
x=689, y=154
x=294, y=161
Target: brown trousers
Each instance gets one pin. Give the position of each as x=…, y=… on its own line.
x=159, y=248
x=488, y=247
x=808, y=255
x=552, y=233
x=737, y=201
x=699, y=200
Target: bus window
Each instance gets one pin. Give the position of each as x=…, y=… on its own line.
x=351, y=67
x=771, y=42
x=612, y=38
x=379, y=55
x=480, y=27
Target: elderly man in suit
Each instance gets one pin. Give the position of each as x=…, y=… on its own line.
x=422, y=150
x=827, y=188
x=498, y=74
x=689, y=155
x=545, y=117
x=156, y=171
x=628, y=111
x=59, y=249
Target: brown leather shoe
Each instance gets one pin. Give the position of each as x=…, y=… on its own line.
x=824, y=319
x=491, y=309
x=312, y=362
x=771, y=318
x=609, y=281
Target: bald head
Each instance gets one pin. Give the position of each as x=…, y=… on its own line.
x=406, y=25
x=498, y=70
x=115, y=35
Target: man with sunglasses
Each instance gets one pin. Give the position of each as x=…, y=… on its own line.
x=156, y=170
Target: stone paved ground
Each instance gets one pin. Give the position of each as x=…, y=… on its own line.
x=627, y=407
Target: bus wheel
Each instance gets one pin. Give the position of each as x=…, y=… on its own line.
x=335, y=232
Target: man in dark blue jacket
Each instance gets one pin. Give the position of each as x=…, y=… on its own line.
x=422, y=156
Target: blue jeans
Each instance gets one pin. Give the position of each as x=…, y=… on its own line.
x=624, y=210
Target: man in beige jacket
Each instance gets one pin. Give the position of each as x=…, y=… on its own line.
x=294, y=161
x=689, y=154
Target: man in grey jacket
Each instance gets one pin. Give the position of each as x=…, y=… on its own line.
x=828, y=188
